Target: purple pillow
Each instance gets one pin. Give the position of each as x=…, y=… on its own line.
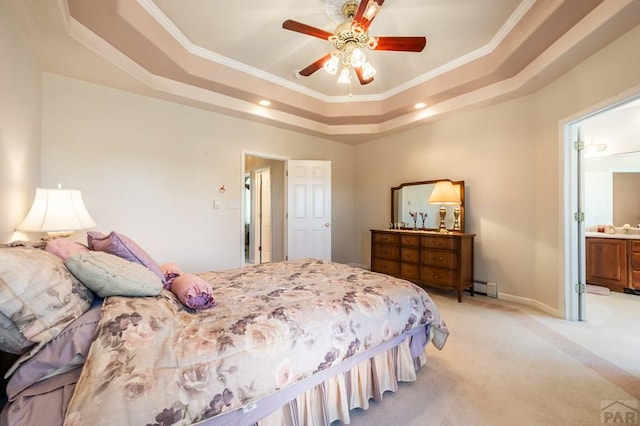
x=124, y=247
x=67, y=350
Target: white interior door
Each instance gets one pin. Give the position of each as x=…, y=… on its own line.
x=265, y=215
x=308, y=209
x=262, y=213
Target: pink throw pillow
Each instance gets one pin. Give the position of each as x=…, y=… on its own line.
x=63, y=247
x=124, y=247
x=193, y=292
x=170, y=272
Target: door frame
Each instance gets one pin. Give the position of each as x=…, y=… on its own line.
x=569, y=236
x=251, y=153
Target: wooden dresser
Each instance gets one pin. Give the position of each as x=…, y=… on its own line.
x=613, y=263
x=425, y=258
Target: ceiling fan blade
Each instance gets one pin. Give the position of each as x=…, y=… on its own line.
x=362, y=80
x=367, y=11
x=315, y=66
x=306, y=29
x=401, y=44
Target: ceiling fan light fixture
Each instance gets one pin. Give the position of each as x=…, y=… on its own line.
x=372, y=10
x=368, y=71
x=331, y=66
x=345, y=76
x=358, y=58
x=350, y=38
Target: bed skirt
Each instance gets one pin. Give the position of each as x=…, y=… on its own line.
x=329, y=396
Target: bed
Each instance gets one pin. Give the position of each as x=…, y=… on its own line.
x=285, y=343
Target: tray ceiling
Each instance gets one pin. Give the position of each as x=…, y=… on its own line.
x=228, y=55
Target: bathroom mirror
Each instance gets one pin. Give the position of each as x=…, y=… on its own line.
x=412, y=197
x=611, y=183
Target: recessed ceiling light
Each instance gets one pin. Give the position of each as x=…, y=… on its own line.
x=265, y=102
x=420, y=105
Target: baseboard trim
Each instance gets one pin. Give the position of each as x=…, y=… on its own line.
x=530, y=302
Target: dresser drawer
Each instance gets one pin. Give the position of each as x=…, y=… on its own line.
x=385, y=266
x=409, y=271
x=438, y=276
x=410, y=240
x=635, y=260
x=440, y=243
x=635, y=279
x=635, y=246
x=443, y=259
x=386, y=251
x=386, y=238
x=409, y=254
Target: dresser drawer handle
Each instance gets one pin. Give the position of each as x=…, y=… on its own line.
x=437, y=258
x=436, y=276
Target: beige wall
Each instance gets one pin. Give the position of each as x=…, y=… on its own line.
x=509, y=155
x=19, y=126
x=151, y=169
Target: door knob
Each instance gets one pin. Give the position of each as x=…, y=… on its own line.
x=327, y=224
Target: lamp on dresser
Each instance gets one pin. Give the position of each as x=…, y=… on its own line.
x=58, y=212
x=444, y=194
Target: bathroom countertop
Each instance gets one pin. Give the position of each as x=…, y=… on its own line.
x=620, y=236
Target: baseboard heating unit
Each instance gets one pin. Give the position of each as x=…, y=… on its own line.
x=489, y=288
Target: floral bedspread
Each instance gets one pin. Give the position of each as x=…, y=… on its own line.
x=155, y=362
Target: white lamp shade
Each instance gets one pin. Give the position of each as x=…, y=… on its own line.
x=444, y=193
x=55, y=210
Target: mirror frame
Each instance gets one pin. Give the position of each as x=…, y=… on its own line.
x=460, y=183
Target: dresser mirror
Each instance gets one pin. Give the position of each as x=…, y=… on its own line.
x=410, y=209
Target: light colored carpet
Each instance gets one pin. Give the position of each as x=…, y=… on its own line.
x=508, y=364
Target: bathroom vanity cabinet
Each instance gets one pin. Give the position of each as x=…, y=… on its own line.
x=613, y=262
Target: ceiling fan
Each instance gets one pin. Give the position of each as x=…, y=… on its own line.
x=350, y=38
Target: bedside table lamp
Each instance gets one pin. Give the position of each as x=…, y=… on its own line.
x=58, y=212
x=444, y=194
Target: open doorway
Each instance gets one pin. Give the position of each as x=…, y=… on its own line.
x=264, y=209
x=610, y=152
